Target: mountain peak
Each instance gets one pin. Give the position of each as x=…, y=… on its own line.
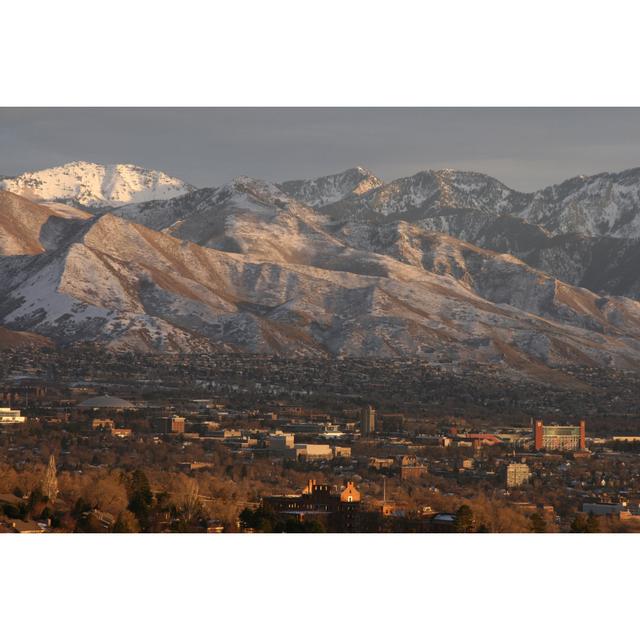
x=320, y=192
x=96, y=186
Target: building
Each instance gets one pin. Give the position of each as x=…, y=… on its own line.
x=280, y=441
x=11, y=416
x=411, y=468
x=517, y=474
x=604, y=508
x=478, y=440
x=102, y=423
x=173, y=424
x=559, y=437
x=341, y=452
x=121, y=432
x=311, y=452
x=367, y=420
x=381, y=463
x=336, y=511
x=105, y=402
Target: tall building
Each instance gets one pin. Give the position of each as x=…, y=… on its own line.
x=517, y=474
x=559, y=437
x=367, y=420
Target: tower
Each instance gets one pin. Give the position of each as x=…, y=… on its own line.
x=583, y=434
x=538, y=433
x=368, y=420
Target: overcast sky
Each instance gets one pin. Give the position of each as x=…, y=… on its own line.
x=525, y=148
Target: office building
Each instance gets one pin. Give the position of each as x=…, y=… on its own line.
x=517, y=474
x=559, y=437
x=367, y=420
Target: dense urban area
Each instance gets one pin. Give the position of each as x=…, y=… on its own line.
x=96, y=441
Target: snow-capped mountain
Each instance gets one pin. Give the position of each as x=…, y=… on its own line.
x=95, y=186
x=607, y=204
x=244, y=216
x=131, y=287
x=431, y=193
x=448, y=265
x=319, y=192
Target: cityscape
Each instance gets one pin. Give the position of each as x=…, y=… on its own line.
x=407, y=350
x=93, y=441
x=310, y=304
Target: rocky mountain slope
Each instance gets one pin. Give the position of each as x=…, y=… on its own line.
x=95, y=187
x=320, y=192
x=453, y=266
x=607, y=204
x=132, y=287
x=27, y=228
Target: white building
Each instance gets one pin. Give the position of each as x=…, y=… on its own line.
x=314, y=451
x=11, y=416
x=517, y=474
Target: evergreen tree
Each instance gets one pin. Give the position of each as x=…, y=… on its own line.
x=464, y=519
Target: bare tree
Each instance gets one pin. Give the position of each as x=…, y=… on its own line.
x=50, y=482
x=191, y=504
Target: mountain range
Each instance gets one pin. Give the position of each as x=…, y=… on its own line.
x=447, y=265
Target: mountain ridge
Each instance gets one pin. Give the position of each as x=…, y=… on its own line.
x=437, y=264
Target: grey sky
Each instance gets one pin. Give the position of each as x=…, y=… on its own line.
x=525, y=148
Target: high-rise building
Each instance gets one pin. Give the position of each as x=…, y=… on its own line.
x=367, y=420
x=559, y=437
x=517, y=474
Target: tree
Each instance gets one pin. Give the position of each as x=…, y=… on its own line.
x=538, y=523
x=126, y=523
x=580, y=524
x=191, y=506
x=464, y=519
x=140, y=497
x=592, y=525
x=50, y=481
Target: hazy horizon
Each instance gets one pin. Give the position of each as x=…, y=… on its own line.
x=526, y=148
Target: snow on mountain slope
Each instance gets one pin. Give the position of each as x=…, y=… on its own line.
x=95, y=186
x=160, y=214
x=428, y=193
x=248, y=219
x=319, y=192
x=498, y=278
x=27, y=228
x=607, y=204
x=249, y=266
x=131, y=287
x=253, y=216
x=244, y=216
